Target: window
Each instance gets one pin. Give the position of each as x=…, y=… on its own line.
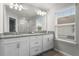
x=65, y=27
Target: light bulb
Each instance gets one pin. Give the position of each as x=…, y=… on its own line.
x=16, y=6
x=39, y=12
x=11, y=5
x=21, y=6
x=43, y=13
x=20, y=9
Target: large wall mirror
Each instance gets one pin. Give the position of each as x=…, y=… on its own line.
x=24, y=18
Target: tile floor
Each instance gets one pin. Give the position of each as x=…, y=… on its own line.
x=52, y=53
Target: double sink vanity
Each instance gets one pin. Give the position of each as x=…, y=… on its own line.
x=17, y=38
x=25, y=44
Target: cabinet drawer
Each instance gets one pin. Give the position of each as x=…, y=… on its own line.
x=36, y=43
x=35, y=50
x=35, y=38
x=10, y=40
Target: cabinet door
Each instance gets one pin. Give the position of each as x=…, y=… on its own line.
x=45, y=42
x=50, y=41
x=11, y=49
x=24, y=47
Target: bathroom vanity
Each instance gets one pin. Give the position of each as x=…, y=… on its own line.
x=25, y=44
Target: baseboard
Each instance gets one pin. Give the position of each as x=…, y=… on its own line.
x=65, y=54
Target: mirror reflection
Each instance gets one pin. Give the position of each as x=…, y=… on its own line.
x=24, y=18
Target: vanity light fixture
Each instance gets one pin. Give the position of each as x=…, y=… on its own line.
x=41, y=13
x=16, y=6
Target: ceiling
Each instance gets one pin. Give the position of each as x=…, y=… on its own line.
x=48, y=6
x=30, y=8
x=25, y=12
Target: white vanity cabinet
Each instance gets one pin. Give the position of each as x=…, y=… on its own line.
x=35, y=45
x=47, y=42
x=15, y=46
x=50, y=41
x=9, y=47
x=24, y=46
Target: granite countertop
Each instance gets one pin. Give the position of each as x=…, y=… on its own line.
x=5, y=36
